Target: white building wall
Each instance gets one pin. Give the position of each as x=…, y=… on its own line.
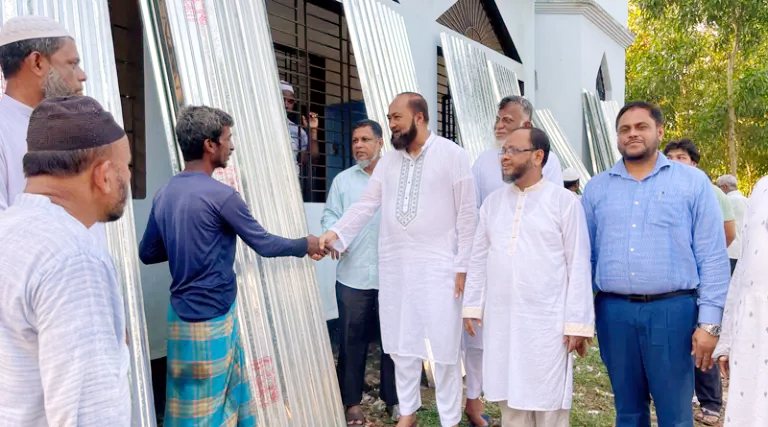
x=570, y=51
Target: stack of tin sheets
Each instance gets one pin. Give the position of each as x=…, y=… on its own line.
x=600, y=124
x=544, y=120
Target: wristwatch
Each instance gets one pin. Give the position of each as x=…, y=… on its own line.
x=713, y=330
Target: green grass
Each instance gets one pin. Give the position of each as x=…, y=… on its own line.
x=592, y=398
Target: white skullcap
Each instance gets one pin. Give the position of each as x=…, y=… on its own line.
x=28, y=27
x=284, y=85
x=570, y=175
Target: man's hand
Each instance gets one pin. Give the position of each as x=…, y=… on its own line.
x=703, y=346
x=327, y=239
x=468, y=325
x=314, y=250
x=579, y=344
x=725, y=368
x=461, y=278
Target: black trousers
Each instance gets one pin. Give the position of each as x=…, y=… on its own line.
x=358, y=326
x=709, y=389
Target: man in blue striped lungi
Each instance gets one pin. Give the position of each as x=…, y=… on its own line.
x=194, y=225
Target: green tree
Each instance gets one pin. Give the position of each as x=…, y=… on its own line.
x=704, y=67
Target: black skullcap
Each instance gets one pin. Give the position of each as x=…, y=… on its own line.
x=71, y=123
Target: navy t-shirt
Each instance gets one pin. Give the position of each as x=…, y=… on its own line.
x=194, y=224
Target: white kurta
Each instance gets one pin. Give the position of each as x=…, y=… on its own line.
x=428, y=219
x=14, y=122
x=745, y=320
x=63, y=357
x=530, y=282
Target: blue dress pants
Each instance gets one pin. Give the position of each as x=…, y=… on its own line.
x=646, y=347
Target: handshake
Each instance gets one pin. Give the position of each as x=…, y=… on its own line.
x=319, y=247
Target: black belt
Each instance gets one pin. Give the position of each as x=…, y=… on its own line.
x=650, y=298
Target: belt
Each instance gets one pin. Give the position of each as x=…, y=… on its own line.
x=650, y=298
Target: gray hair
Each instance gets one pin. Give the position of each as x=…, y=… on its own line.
x=12, y=55
x=198, y=124
x=525, y=105
x=728, y=181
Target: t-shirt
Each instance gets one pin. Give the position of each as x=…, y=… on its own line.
x=194, y=224
x=725, y=204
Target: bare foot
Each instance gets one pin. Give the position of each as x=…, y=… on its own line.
x=474, y=411
x=406, y=420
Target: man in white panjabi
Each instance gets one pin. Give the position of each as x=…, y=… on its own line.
x=428, y=217
x=39, y=60
x=62, y=326
x=743, y=345
x=514, y=112
x=529, y=281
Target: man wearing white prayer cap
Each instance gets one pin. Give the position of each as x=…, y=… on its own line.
x=571, y=181
x=303, y=145
x=39, y=60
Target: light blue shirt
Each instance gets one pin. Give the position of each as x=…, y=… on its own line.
x=662, y=234
x=359, y=267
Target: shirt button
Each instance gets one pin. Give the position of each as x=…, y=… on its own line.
x=637, y=203
x=634, y=225
x=631, y=249
x=633, y=274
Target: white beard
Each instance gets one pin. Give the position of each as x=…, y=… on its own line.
x=365, y=163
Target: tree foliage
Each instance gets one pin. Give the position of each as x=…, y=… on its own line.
x=680, y=60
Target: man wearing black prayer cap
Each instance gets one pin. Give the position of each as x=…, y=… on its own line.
x=62, y=328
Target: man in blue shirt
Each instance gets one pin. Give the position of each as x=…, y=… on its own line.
x=660, y=269
x=194, y=225
x=357, y=278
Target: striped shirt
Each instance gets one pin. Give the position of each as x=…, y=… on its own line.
x=63, y=357
x=661, y=234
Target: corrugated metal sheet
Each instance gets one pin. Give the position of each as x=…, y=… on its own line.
x=599, y=120
x=88, y=22
x=504, y=81
x=543, y=119
x=382, y=55
x=472, y=93
x=225, y=59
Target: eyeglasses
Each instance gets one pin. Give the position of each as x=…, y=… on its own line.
x=515, y=151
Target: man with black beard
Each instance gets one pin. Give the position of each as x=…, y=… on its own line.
x=39, y=60
x=661, y=272
x=529, y=281
x=428, y=216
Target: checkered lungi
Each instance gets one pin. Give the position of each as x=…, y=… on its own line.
x=207, y=384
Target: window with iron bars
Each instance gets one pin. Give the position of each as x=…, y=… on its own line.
x=315, y=56
x=446, y=121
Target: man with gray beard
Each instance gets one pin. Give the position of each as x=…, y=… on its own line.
x=39, y=60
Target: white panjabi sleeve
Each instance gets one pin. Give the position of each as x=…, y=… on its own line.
x=579, y=301
x=723, y=347
x=475, y=285
x=465, y=204
x=4, y=181
x=357, y=216
x=80, y=344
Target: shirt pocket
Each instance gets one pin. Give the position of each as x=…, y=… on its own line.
x=665, y=213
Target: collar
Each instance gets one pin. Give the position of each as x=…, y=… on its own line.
x=32, y=201
x=538, y=186
x=430, y=139
x=620, y=169
x=735, y=192
x=16, y=106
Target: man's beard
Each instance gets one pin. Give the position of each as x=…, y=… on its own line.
x=646, y=154
x=517, y=173
x=54, y=85
x=116, y=210
x=403, y=140
x=365, y=163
